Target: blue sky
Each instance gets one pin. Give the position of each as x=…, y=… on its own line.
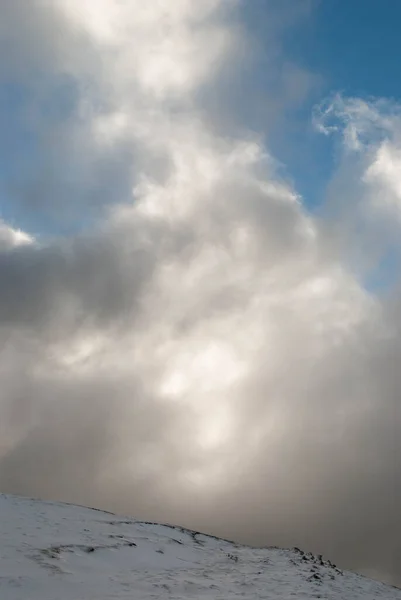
x=347, y=46
x=354, y=45
x=335, y=45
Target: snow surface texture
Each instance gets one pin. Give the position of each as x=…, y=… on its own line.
x=52, y=551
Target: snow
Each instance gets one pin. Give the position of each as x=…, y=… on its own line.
x=54, y=551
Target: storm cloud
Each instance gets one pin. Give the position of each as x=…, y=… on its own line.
x=193, y=346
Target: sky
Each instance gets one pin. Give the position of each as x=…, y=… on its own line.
x=199, y=265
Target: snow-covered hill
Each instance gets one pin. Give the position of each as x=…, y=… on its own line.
x=51, y=551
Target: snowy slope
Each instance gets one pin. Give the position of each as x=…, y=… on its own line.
x=52, y=551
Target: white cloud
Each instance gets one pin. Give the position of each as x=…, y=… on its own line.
x=384, y=175
x=204, y=352
x=166, y=47
x=361, y=122
x=364, y=193
x=12, y=238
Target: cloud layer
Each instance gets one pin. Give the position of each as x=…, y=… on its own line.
x=202, y=350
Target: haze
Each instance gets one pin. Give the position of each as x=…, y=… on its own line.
x=185, y=335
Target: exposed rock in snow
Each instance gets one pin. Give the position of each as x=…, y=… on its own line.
x=53, y=551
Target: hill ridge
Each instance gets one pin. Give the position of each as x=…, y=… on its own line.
x=65, y=551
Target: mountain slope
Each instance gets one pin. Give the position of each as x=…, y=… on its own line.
x=52, y=551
